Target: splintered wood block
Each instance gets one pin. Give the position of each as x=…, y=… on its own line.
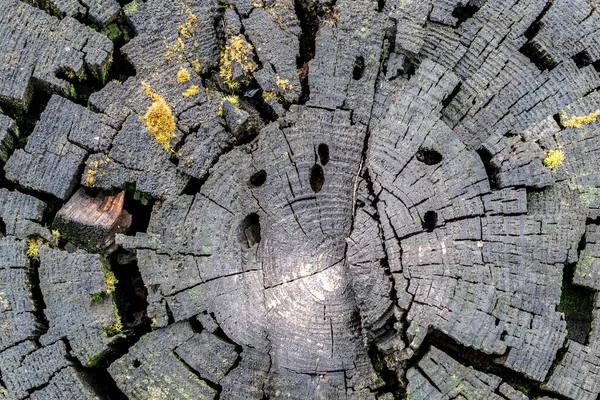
x=92, y=222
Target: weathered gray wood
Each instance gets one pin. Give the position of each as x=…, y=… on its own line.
x=52, y=159
x=18, y=322
x=79, y=302
x=21, y=215
x=357, y=199
x=438, y=376
x=8, y=133
x=27, y=366
x=153, y=369
x=68, y=383
x=34, y=56
x=99, y=11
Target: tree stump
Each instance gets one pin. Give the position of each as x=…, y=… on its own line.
x=300, y=199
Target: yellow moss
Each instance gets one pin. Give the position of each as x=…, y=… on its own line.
x=56, y=235
x=184, y=31
x=33, y=247
x=187, y=30
x=268, y=95
x=237, y=50
x=92, y=171
x=282, y=12
x=111, y=281
x=90, y=177
x=115, y=328
x=577, y=122
x=192, y=91
x=192, y=21
x=233, y=100
x=183, y=76
x=284, y=84
x=554, y=158
x=196, y=66
x=159, y=119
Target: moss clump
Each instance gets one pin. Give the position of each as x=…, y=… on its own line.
x=192, y=91
x=97, y=296
x=94, y=360
x=110, y=280
x=235, y=100
x=577, y=122
x=522, y=386
x=183, y=76
x=196, y=66
x=115, y=328
x=191, y=24
x=269, y=95
x=554, y=158
x=113, y=32
x=282, y=12
x=33, y=247
x=56, y=234
x=237, y=50
x=284, y=84
x=92, y=171
x=187, y=30
x=159, y=119
x=131, y=8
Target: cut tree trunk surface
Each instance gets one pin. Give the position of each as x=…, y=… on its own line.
x=299, y=199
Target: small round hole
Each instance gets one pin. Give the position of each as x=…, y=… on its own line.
x=259, y=178
x=317, y=178
x=136, y=363
x=251, y=230
x=429, y=156
x=430, y=220
x=323, y=152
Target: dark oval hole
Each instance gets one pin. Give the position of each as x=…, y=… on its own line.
x=323, y=151
x=429, y=156
x=317, y=178
x=259, y=178
x=251, y=229
x=430, y=220
x=380, y=5
x=136, y=363
x=582, y=59
x=359, y=68
x=463, y=13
